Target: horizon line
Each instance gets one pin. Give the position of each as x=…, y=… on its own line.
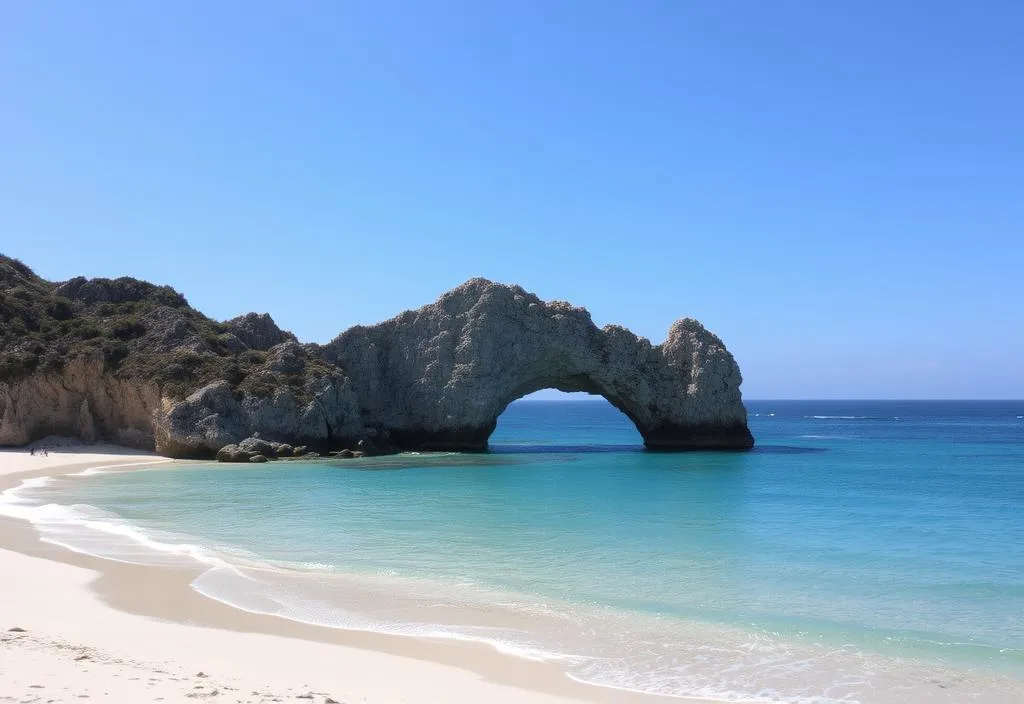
x=599, y=397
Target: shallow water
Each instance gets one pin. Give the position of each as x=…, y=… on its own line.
x=865, y=551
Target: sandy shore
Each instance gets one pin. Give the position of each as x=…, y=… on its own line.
x=77, y=628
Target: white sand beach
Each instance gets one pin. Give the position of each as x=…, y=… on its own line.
x=77, y=628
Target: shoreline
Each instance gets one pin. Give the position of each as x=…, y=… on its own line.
x=161, y=607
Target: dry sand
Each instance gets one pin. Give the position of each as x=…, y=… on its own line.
x=84, y=629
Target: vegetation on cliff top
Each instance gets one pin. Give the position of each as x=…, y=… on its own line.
x=139, y=331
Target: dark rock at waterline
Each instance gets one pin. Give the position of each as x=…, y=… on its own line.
x=258, y=458
x=233, y=453
x=258, y=446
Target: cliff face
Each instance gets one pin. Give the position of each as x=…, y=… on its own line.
x=126, y=361
x=440, y=376
x=319, y=410
x=80, y=401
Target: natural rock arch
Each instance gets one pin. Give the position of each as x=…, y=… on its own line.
x=154, y=373
x=439, y=377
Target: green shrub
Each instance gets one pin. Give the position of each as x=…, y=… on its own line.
x=127, y=329
x=60, y=309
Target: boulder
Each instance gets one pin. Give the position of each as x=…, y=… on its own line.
x=233, y=453
x=202, y=423
x=258, y=446
x=258, y=458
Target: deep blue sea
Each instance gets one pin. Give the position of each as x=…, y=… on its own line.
x=864, y=551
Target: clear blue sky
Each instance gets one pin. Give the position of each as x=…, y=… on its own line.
x=836, y=188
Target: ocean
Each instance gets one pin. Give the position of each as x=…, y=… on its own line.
x=864, y=551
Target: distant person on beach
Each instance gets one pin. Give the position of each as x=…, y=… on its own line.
x=32, y=451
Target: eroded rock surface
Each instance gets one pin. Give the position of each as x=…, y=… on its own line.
x=79, y=401
x=439, y=377
x=126, y=361
x=323, y=413
x=258, y=331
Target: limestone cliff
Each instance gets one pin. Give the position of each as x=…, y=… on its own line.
x=440, y=376
x=127, y=361
x=79, y=401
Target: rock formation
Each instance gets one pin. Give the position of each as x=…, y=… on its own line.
x=129, y=362
x=258, y=331
x=440, y=376
x=323, y=413
x=79, y=401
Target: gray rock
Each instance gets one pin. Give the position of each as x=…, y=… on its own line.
x=201, y=424
x=346, y=454
x=439, y=377
x=258, y=331
x=286, y=358
x=283, y=449
x=233, y=453
x=122, y=290
x=432, y=378
x=167, y=328
x=258, y=446
x=323, y=411
x=257, y=458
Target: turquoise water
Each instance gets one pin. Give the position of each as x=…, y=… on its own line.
x=862, y=548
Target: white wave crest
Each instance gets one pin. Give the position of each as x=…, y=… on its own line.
x=88, y=530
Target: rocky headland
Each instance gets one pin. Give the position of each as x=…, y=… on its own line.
x=130, y=362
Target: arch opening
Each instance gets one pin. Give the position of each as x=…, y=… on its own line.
x=552, y=420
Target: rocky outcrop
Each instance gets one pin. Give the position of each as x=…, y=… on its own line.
x=80, y=401
x=217, y=415
x=282, y=401
x=251, y=447
x=440, y=376
x=126, y=361
x=122, y=290
x=258, y=331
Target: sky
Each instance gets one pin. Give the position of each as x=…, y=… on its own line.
x=835, y=188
